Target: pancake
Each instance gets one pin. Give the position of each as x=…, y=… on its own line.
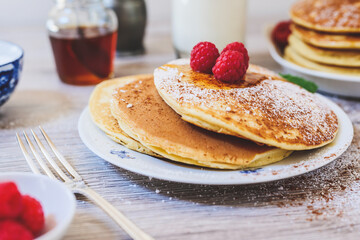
x=326, y=40
x=293, y=56
x=147, y=118
x=345, y=58
x=270, y=110
x=99, y=106
x=327, y=15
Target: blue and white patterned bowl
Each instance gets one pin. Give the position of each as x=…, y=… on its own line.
x=11, y=62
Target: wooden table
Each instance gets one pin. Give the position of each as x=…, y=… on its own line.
x=323, y=204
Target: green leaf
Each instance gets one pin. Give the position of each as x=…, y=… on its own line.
x=306, y=84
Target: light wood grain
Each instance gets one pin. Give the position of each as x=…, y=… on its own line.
x=324, y=204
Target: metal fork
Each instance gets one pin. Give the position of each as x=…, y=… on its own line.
x=74, y=181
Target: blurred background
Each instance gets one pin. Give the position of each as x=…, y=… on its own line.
x=23, y=22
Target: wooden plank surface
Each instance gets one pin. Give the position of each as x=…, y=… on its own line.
x=323, y=204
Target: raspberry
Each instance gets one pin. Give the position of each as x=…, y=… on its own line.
x=239, y=47
x=230, y=67
x=10, y=200
x=203, y=57
x=32, y=215
x=11, y=230
x=281, y=33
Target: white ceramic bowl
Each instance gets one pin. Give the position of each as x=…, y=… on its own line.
x=57, y=200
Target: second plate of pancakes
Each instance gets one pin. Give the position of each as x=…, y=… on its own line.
x=339, y=84
x=324, y=45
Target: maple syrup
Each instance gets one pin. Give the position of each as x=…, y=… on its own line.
x=84, y=55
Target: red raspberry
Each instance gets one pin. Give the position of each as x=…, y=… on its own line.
x=239, y=47
x=203, y=57
x=10, y=200
x=280, y=34
x=11, y=230
x=230, y=67
x=32, y=215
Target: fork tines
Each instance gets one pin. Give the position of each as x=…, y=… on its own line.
x=73, y=180
x=46, y=156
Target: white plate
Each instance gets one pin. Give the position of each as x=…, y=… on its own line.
x=339, y=84
x=297, y=163
x=56, y=199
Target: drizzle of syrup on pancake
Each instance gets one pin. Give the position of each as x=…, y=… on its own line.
x=204, y=80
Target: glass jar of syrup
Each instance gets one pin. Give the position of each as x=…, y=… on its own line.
x=83, y=37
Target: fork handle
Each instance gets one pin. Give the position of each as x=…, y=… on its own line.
x=128, y=226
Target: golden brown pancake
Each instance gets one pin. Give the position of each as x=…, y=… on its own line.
x=293, y=56
x=99, y=106
x=147, y=118
x=271, y=110
x=327, y=15
x=344, y=58
x=326, y=40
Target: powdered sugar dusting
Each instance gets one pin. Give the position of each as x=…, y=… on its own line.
x=272, y=103
x=329, y=13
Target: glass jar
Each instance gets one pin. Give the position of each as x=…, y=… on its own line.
x=83, y=37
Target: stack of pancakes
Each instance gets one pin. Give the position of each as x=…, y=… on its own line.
x=192, y=118
x=326, y=36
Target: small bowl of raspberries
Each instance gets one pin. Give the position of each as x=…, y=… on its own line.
x=34, y=207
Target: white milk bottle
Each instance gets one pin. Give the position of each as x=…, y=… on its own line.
x=217, y=21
